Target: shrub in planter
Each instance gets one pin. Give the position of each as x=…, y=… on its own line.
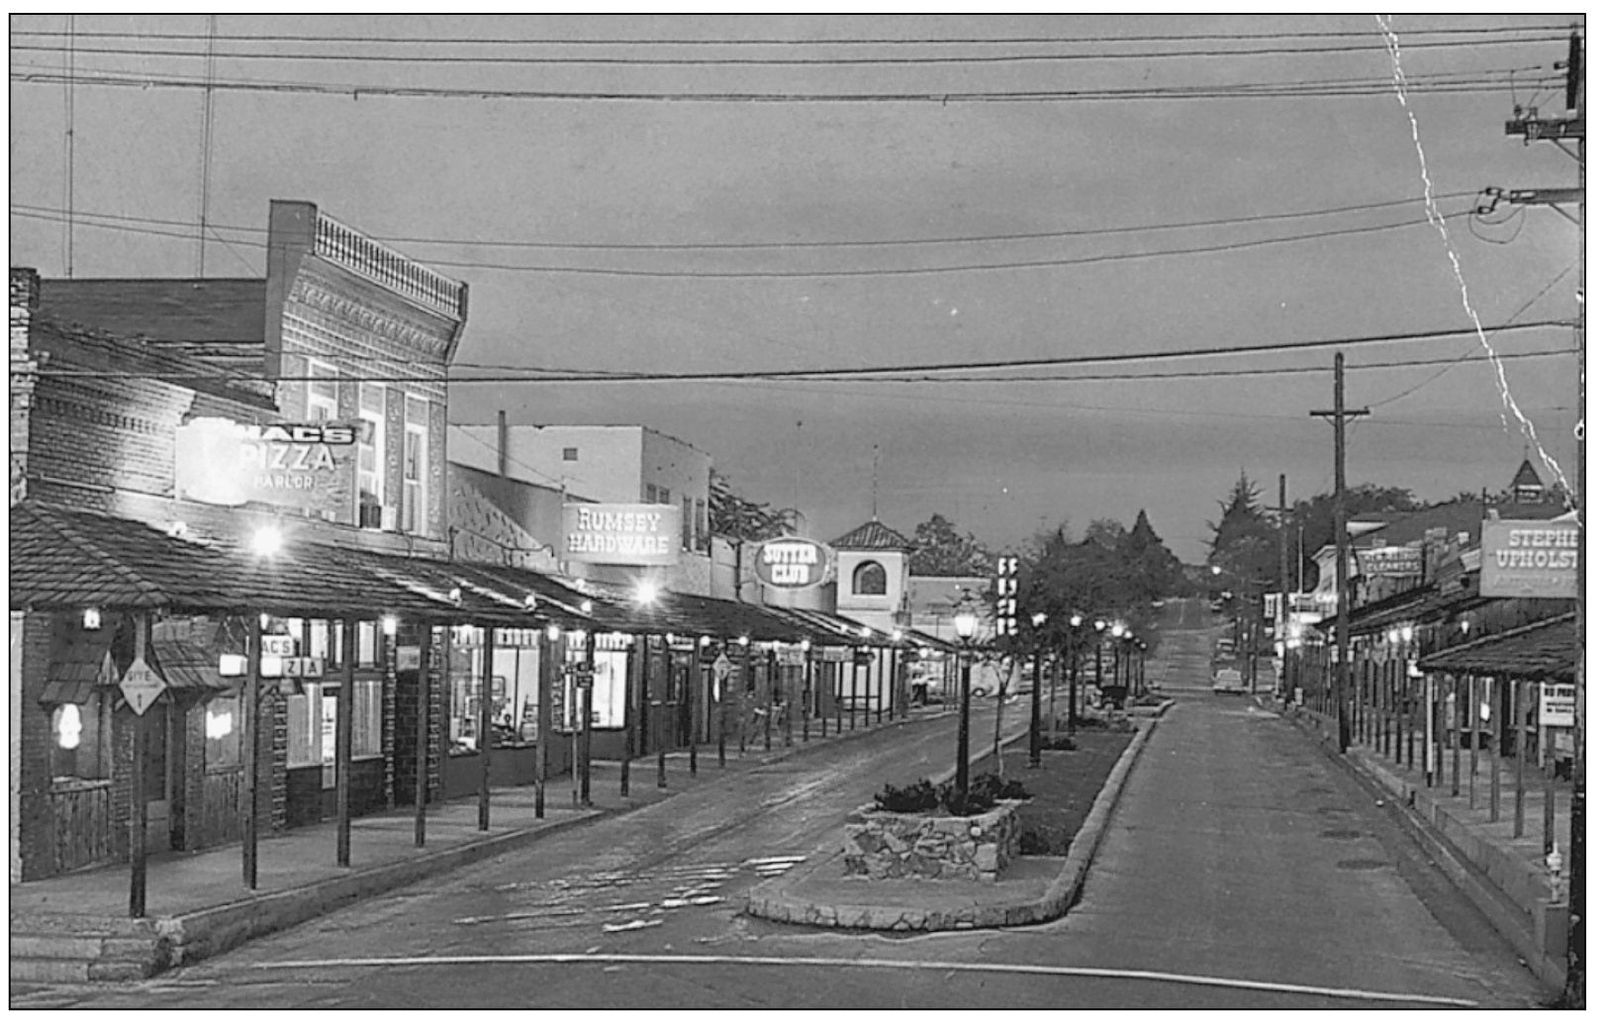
x=920, y=797
x=985, y=792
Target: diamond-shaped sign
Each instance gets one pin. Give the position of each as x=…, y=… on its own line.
x=722, y=667
x=141, y=686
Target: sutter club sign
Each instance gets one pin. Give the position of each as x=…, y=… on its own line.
x=291, y=464
x=792, y=563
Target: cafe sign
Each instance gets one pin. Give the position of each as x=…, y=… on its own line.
x=792, y=563
x=622, y=533
x=302, y=465
x=1534, y=559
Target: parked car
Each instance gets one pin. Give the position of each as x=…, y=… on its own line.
x=988, y=675
x=1228, y=681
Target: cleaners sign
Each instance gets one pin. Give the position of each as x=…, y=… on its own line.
x=1529, y=558
x=622, y=533
x=792, y=563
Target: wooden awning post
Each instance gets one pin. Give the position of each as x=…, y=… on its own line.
x=136, y=822
x=343, y=745
x=421, y=734
x=485, y=729
x=250, y=731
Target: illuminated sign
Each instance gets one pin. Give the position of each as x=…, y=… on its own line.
x=303, y=465
x=1529, y=558
x=1391, y=561
x=792, y=563
x=622, y=533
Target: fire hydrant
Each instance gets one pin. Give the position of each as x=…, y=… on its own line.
x=1555, y=874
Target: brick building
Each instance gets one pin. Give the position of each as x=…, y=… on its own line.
x=145, y=407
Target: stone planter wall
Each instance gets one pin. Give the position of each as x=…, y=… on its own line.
x=882, y=845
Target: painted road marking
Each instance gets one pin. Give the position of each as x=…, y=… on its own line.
x=1346, y=993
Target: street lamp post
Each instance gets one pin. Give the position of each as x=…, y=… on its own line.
x=1099, y=656
x=1034, y=741
x=965, y=629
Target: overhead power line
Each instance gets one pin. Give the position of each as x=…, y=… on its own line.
x=906, y=271
x=507, y=374
x=433, y=40
x=23, y=209
x=779, y=61
x=1495, y=81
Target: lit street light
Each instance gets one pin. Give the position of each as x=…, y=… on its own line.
x=965, y=629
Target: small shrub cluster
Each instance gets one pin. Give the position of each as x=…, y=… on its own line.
x=1149, y=699
x=1060, y=743
x=984, y=792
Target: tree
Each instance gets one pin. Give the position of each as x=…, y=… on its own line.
x=1244, y=539
x=733, y=516
x=1311, y=525
x=1160, y=572
x=942, y=550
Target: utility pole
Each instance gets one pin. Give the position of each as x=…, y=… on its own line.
x=1555, y=130
x=1342, y=558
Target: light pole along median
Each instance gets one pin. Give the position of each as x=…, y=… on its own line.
x=965, y=630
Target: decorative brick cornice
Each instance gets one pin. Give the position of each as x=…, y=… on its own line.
x=364, y=316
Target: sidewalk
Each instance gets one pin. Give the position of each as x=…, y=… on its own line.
x=1505, y=876
x=75, y=927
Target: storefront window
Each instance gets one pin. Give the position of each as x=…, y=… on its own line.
x=223, y=718
x=80, y=745
x=311, y=713
x=609, y=680
x=515, y=674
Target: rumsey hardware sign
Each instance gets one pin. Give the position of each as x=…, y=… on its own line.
x=641, y=534
x=290, y=464
x=1529, y=558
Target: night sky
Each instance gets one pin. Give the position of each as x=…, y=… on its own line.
x=899, y=229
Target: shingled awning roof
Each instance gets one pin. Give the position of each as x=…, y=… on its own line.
x=65, y=558
x=873, y=535
x=1544, y=649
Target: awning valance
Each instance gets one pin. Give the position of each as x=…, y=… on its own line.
x=1545, y=649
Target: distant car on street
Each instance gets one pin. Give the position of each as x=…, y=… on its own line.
x=1228, y=681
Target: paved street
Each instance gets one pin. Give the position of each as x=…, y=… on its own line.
x=1242, y=870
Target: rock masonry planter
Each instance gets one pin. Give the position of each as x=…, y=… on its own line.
x=892, y=846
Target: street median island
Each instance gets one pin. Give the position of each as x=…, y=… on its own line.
x=1061, y=827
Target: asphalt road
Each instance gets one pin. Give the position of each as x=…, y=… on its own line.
x=1242, y=870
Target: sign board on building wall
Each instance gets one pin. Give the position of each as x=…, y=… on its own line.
x=302, y=465
x=1392, y=561
x=1534, y=559
x=789, y=562
x=1556, y=706
x=622, y=533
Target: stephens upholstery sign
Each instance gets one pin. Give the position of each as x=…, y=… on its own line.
x=622, y=533
x=289, y=464
x=1529, y=558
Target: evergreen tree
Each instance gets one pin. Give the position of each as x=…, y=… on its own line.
x=1160, y=572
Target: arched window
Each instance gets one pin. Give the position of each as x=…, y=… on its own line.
x=870, y=579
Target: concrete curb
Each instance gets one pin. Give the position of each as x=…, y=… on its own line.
x=769, y=900
x=1461, y=865
x=192, y=936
